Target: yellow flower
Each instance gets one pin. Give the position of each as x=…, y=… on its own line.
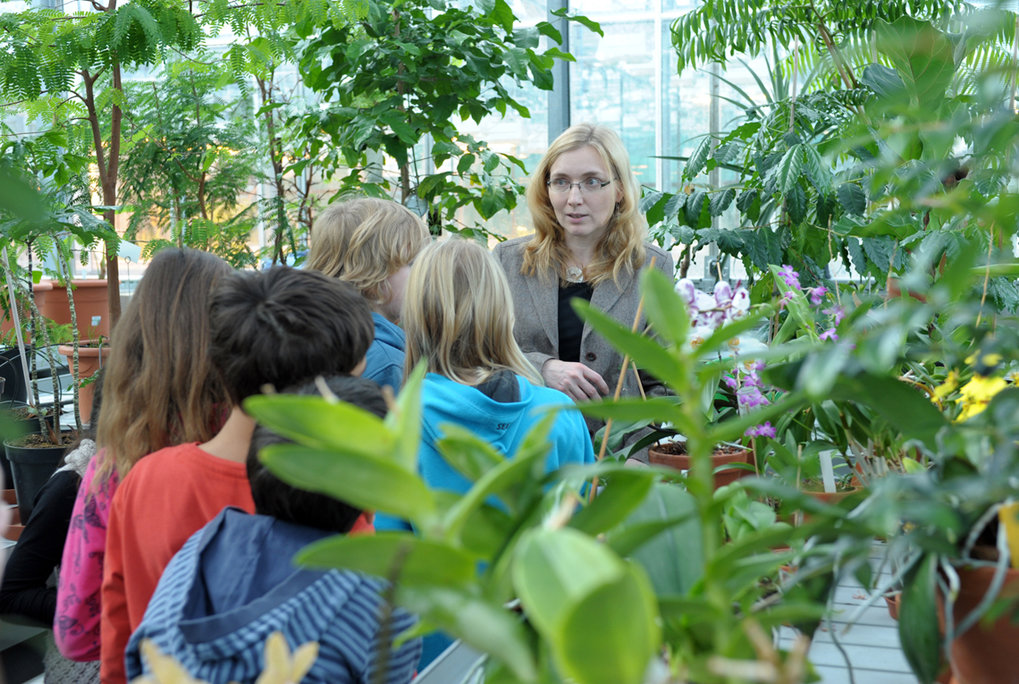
x=975, y=394
x=982, y=389
x=947, y=387
x=280, y=667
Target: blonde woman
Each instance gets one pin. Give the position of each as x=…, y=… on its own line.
x=588, y=242
x=458, y=317
x=370, y=243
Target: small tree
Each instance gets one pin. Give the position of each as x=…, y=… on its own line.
x=192, y=158
x=52, y=62
x=397, y=81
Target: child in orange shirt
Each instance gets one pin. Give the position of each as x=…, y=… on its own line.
x=277, y=328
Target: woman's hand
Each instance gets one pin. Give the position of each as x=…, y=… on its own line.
x=574, y=379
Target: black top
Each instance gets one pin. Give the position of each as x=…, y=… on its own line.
x=26, y=590
x=571, y=328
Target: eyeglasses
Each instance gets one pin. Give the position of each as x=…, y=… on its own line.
x=588, y=186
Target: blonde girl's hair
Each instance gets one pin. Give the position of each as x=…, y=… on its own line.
x=622, y=246
x=160, y=389
x=364, y=241
x=458, y=315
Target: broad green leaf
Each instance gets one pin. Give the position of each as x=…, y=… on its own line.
x=788, y=170
x=923, y=56
x=618, y=496
x=468, y=453
x=630, y=409
x=525, y=466
x=666, y=311
x=695, y=164
x=315, y=422
x=488, y=627
x=405, y=421
x=918, y=620
x=673, y=558
x=404, y=556
x=901, y=405
x=646, y=353
x=612, y=633
x=363, y=481
x=852, y=198
x=556, y=569
x=821, y=369
x=884, y=81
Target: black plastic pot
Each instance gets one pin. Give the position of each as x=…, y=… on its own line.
x=31, y=466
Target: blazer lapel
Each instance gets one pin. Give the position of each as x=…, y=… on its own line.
x=546, y=305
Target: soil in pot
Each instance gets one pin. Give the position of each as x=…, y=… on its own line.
x=673, y=455
x=33, y=459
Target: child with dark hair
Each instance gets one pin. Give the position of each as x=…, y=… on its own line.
x=276, y=328
x=234, y=583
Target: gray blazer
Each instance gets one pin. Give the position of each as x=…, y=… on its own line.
x=536, y=304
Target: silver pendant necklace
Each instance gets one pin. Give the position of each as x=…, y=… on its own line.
x=574, y=274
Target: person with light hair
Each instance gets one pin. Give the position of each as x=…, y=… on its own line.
x=589, y=242
x=458, y=317
x=370, y=243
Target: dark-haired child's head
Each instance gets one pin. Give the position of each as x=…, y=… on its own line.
x=285, y=326
x=275, y=498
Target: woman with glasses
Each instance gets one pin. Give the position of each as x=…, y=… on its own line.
x=589, y=242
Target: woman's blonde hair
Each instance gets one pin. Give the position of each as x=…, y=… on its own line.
x=622, y=246
x=364, y=241
x=458, y=315
x=160, y=388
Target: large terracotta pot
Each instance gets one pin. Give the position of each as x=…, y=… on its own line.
x=90, y=360
x=673, y=455
x=985, y=654
x=91, y=304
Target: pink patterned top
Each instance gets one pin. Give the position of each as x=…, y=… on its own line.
x=76, y=626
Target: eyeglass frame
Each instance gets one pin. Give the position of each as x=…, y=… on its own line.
x=580, y=185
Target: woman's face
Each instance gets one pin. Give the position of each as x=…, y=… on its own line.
x=583, y=213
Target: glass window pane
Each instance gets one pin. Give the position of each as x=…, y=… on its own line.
x=612, y=83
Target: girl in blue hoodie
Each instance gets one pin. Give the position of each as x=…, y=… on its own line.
x=458, y=318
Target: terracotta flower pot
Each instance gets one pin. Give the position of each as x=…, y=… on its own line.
x=985, y=654
x=91, y=304
x=90, y=360
x=673, y=455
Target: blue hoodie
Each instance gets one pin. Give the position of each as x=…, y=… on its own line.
x=233, y=584
x=384, y=360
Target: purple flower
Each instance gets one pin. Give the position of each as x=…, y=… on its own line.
x=829, y=334
x=731, y=382
x=765, y=429
x=837, y=313
x=817, y=294
x=751, y=397
x=789, y=276
x=740, y=302
x=688, y=292
x=723, y=294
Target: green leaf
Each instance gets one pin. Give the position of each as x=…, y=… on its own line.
x=367, y=482
x=666, y=311
x=405, y=421
x=852, y=198
x=695, y=164
x=315, y=422
x=488, y=627
x=720, y=201
x=612, y=633
x=788, y=170
x=468, y=453
x=620, y=495
x=923, y=56
x=673, y=558
x=412, y=560
x=646, y=353
x=918, y=620
x=884, y=81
